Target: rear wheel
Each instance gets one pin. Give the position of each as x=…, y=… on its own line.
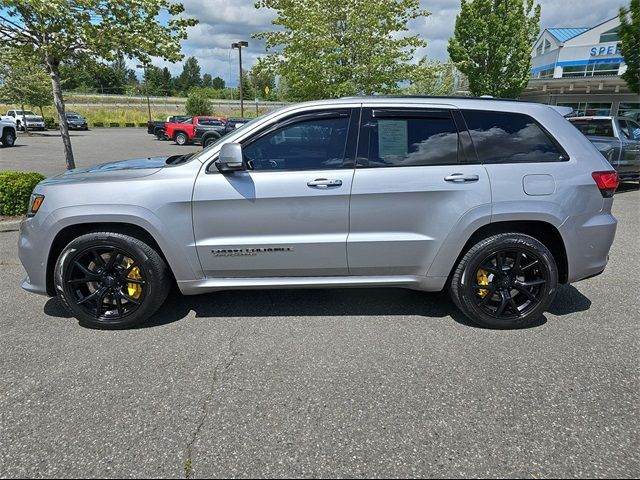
x=109, y=280
x=181, y=138
x=160, y=134
x=210, y=140
x=505, y=281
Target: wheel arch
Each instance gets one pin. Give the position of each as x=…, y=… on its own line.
x=542, y=231
x=68, y=233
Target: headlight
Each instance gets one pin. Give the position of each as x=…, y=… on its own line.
x=34, y=204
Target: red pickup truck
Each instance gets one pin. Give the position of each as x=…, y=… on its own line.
x=182, y=133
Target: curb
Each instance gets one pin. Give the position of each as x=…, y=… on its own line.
x=10, y=225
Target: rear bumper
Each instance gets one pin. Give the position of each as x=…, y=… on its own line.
x=587, y=242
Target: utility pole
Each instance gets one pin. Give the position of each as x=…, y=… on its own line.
x=239, y=46
x=146, y=87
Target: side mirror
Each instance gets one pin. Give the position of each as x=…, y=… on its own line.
x=231, y=158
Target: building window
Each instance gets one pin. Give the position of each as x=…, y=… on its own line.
x=588, y=109
x=548, y=73
x=539, y=50
x=591, y=70
x=610, y=36
x=630, y=110
x=547, y=46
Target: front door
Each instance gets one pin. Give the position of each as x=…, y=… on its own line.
x=288, y=213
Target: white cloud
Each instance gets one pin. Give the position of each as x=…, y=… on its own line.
x=223, y=22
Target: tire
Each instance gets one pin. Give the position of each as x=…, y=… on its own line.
x=160, y=134
x=521, y=279
x=210, y=140
x=181, y=138
x=19, y=126
x=90, y=275
x=8, y=138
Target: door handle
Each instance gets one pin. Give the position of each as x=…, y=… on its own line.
x=324, y=183
x=461, y=178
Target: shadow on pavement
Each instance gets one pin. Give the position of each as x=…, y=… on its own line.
x=326, y=303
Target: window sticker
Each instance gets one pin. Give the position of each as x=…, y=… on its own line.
x=392, y=138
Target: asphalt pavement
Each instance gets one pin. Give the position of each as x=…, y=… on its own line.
x=325, y=383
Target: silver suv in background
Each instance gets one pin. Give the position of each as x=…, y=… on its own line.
x=498, y=201
x=617, y=138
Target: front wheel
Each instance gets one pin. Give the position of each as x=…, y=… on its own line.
x=110, y=280
x=505, y=281
x=8, y=138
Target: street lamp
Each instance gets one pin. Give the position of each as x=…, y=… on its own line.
x=239, y=46
x=146, y=85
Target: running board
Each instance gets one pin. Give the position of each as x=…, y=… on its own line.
x=194, y=287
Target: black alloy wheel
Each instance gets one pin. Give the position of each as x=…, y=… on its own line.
x=9, y=138
x=110, y=280
x=509, y=283
x=505, y=281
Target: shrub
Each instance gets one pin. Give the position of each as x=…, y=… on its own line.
x=114, y=124
x=15, y=191
x=198, y=104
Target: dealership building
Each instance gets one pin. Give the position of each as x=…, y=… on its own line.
x=581, y=68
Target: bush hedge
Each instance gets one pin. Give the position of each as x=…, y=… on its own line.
x=15, y=191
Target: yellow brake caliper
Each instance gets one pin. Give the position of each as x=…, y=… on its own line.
x=482, y=279
x=133, y=289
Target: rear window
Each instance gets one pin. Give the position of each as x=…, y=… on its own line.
x=596, y=128
x=503, y=137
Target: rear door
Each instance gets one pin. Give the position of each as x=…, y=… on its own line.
x=415, y=179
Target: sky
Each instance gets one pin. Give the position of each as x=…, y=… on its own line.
x=223, y=22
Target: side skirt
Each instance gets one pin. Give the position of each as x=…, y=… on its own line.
x=428, y=284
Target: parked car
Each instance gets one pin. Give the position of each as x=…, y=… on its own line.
x=7, y=131
x=183, y=133
x=209, y=132
x=618, y=138
x=75, y=121
x=27, y=120
x=497, y=201
x=157, y=128
x=208, y=135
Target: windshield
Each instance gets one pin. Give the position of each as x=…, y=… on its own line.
x=24, y=112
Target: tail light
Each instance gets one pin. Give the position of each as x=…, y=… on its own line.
x=607, y=182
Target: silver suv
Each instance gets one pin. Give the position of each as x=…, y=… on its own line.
x=498, y=201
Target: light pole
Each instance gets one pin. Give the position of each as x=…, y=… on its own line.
x=146, y=86
x=239, y=46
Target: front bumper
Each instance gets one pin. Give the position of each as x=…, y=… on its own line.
x=33, y=251
x=35, y=125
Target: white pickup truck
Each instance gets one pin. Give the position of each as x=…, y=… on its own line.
x=27, y=120
x=7, y=131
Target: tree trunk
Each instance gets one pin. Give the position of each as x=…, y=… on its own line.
x=53, y=66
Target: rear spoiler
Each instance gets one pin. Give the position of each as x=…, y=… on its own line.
x=564, y=111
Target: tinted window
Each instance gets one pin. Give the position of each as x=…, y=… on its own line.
x=501, y=137
x=307, y=145
x=630, y=129
x=597, y=128
x=405, y=141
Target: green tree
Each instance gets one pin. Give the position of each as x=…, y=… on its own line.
x=207, y=80
x=259, y=80
x=433, y=78
x=331, y=48
x=218, y=83
x=198, y=103
x=190, y=76
x=492, y=45
x=62, y=30
x=23, y=79
x=630, y=39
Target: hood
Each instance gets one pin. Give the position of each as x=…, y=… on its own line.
x=34, y=118
x=116, y=171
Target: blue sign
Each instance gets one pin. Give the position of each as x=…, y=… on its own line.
x=601, y=51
